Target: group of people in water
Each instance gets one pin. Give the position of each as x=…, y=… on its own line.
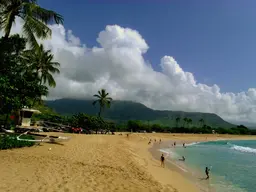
x=162, y=160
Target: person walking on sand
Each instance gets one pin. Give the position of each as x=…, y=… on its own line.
x=162, y=160
x=207, y=173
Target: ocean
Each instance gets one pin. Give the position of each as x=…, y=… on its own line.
x=232, y=163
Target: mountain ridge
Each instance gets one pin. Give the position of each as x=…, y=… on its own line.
x=122, y=111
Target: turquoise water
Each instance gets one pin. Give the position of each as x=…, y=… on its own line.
x=232, y=163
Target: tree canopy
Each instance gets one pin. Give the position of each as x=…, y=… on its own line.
x=19, y=86
x=35, y=19
x=103, y=100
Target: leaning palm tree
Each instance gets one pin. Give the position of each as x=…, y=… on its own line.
x=103, y=100
x=41, y=62
x=35, y=19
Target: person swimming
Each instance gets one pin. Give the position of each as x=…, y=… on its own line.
x=162, y=160
x=207, y=172
x=182, y=159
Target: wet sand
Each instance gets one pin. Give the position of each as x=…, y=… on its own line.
x=92, y=163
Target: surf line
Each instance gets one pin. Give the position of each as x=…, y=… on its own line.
x=177, y=166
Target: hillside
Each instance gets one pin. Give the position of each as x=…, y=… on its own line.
x=121, y=111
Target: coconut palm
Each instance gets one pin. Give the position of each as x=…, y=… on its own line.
x=185, y=121
x=103, y=100
x=201, y=121
x=189, y=121
x=35, y=19
x=177, y=121
x=41, y=62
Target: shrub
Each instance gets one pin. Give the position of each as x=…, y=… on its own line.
x=10, y=142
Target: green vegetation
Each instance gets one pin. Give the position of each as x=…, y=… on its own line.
x=103, y=100
x=91, y=124
x=123, y=111
x=35, y=19
x=24, y=75
x=94, y=123
x=23, y=72
x=10, y=141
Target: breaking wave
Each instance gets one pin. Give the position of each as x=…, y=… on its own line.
x=243, y=149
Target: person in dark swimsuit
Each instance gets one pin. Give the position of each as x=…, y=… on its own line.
x=162, y=160
x=207, y=172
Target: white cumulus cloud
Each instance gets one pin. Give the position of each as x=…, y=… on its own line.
x=118, y=65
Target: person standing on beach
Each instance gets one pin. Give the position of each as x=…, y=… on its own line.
x=207, y=173
x=162, y=160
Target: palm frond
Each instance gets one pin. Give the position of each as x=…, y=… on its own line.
x=109, y=98
x=45, y=15
x=108, y=104
x=94, y=102
x=48, y=77
x=7, y=19
x=30, y=36
x=98, y=96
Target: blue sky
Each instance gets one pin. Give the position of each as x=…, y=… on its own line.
x=215, y=40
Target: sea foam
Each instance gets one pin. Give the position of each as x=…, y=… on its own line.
x=243, y=149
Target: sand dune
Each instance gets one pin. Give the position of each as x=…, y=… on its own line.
x=90, y=163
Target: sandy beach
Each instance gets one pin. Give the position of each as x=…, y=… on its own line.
x=96, y=163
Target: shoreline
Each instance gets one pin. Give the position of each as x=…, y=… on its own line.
x=181, y=168
x=191, y=174
x=167, y=177
x=97, y=163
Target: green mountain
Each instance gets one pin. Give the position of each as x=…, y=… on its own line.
x=121, y=111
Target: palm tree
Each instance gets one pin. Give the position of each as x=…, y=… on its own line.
x=177, y=121
x=185, y=121
x=35, y=19
x=201, y=121
x=41, y=62
x=103, y=100
x=189, y=122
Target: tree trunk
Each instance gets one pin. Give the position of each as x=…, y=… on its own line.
x=41, y=80
x=7, y=35
x=100, y=112
x=5, y=121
